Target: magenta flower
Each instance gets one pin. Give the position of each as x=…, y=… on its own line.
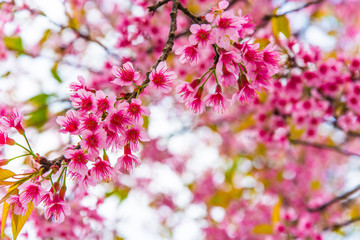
x=196, y=104
x=93, y=141
x=13, y=120
x=112, y=138
x=57, y=210
x=18, y=208
x=103, y=102
x=102, y=171
x=201, y=35
x=70, y=122
x=128, y=161
x=125, y=75
x=186, y=90
x=32, y=192
x=135, y=110
x=89, y=122
x=161, y=78
x=78, y=160
x=118, y=120
x=217, y=11
x=188, y=53
x=4, y=139
x=217, y=101
x=83, y=100
x=271, y=59
x=133, y=135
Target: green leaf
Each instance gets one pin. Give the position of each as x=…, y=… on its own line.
x=55, y=73
x=120, y=193
x=40, y=99
x=280, y=25
x=14, y=43
x=38, y=117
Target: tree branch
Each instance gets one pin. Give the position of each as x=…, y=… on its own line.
x=334, y=200
x=343, y=224
x=323, y=146
x=153, y=8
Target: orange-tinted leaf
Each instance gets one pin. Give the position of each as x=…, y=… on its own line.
x=5, y=213
x=12, y=190
x=21, y=220
x=5, y=174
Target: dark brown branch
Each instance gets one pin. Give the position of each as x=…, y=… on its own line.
x=323, y=146
x=343, y=224
x=194, y=18
x=153, y=8
x=268, y=17
x=165, y=52
x=334, y=200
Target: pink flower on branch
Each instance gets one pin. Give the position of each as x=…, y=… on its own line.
x=70, y=122
x=161, y=78
x=57, y=210
x=188, y=53
x=217, y=100
x=128, y=161
x=78, y=161
x=32, y=192
x=125, y=75
x=201, y=35
x=93, y=141
x=12, y=120
x=102, y=171
x=133, y=135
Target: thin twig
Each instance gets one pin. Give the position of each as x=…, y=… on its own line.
x=157, y=5
x=165, y=52
x=334, y=200
x=324, y=146
x=343, y=224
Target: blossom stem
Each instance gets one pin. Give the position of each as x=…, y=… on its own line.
x=52, y=183
x=27, y=154
x=27, y=141
x=216, y=79
x=30, y=152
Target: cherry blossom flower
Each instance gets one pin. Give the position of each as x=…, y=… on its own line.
x=217, y=101
x=93, y=141
x=83, y=100
x=186, y=90
x=188, y=53
x=196, y=104
x=89, y=122
x=103, y=102
x=57, y=210
x=133, y=135
x=201, y=35
x=128, y=161
x=102, y=171
x=161, y=78
x=18, y=207
x=135, y=110
x=70, y=122
x=118, y=120
x=217, y=11
x=32, y=192
x=12, y=120
x=78, y=160
x=4, y=139
x=125, y=75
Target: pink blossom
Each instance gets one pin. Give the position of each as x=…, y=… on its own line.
x=112, y=138
x=201, y=35
x=103, y=102
x=229, y=61
x=118, y=120
x=125, y=75
x=246, y=94
x=128, y=161
x=4, y=139
x=188, y=53
x=102, y=171
x=84, y=100
x=196, y=104
x=217, y=11
x=135, y=110
x=217, y=101
x=12, y=120
x=32, y=192
x=133, y=135
x=186, y=90
x=18, y=208
x=161, y=78
x=57, y=210
x=78, y=160
x=70, y=122
x=93, y=141
x=89, y=122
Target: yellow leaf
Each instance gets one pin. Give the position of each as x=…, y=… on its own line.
x=22, y=219
x=12, y=190
x=5, y=174
x=276, y=213
x=280, y=25
x=263, y=229
x=5, y=213
x=14, y=223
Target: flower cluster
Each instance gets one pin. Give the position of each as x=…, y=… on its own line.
x=238, y=63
